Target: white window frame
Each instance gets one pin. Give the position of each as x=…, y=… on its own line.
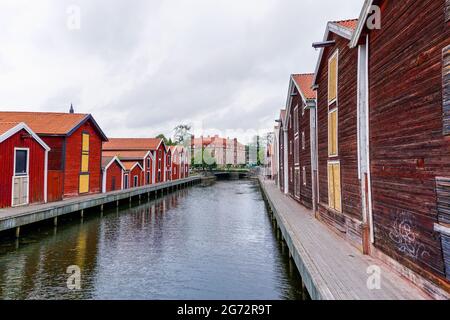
x=337, y=131
x=304, y=175
x=303, y=140
x=336, y=53
x=126, y=177
x=296, y=121
x=135, y=181
x=21, y=176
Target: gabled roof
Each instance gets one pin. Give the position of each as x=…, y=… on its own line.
x=304, y=85
x=349, y=24
x=367, y=7
x=51, y=123
x=132, y=144
x=283, y=116
x=129, y=165
x=8, y=129
x=125, y=155
x=108, y=161
x=343, y=28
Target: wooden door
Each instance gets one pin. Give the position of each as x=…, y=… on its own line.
x=20, y=191
x=297, y=183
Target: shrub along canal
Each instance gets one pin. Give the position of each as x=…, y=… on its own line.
x=215, y=242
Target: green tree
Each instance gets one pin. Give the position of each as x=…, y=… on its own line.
x=182, y=134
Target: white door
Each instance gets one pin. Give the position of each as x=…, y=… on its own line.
x=20, y=183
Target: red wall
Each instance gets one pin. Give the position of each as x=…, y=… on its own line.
x=175, y=166
x=136, y=172
x=73, y=161
x=114, y=170
x=162, y=157
x=36, y=169
x=148, y=169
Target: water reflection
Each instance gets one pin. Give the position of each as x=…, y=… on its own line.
x=198, y=243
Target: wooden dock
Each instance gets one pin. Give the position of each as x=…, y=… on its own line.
x=331, y=268
x=14, y=218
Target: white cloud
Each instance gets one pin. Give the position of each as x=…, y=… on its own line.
x=142, y=67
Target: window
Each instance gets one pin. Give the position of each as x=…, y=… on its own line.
x=21, y=164
x=296, y=151
x=125, y=182
x=334, y=186
x=113, y=184
x=85, y=153
x=148, y=163
x=296, y=120
x=303, y=140
x=290, y=174
x=148, y=178
x=136, y=181
x=290, y=146
x=304, y=175
x=84, y=171
x=333, y=77
x=159, y=176
x=333, y=133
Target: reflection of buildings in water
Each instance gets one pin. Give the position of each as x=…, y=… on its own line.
x=43, y=265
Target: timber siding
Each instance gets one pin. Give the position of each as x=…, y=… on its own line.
x=446, y=88
x=349, y=221
x=305, y=158
x=408, y=149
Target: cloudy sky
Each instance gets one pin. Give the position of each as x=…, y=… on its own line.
x=141, y=67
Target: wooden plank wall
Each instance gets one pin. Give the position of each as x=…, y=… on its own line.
x=446, y=88
x=447, y=11
x=408, y=149
x=348, y=223
x=305, y=159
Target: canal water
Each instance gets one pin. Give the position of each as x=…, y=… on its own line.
x=215, y=242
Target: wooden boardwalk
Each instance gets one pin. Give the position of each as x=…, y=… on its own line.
x=11, y=218
x=331, y=268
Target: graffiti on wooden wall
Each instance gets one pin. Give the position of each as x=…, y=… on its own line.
x=404, y=234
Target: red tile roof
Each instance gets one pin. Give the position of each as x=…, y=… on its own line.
x=132, y=144
x=46, y=122
x=305, y=82
x=129, y=164
x=125, y=154
x=349, y=24
x=6, y=126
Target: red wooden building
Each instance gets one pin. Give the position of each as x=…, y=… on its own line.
x=175, y=167
x=168, y=163
x=74, y=161
x=282, y=177
x=113, y=171
x=150, y=152
x=339, y=176
x=23, y=159
x=301, y=98
x=133, y=175
x=408, y=90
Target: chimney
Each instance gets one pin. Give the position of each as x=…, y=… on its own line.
x=71, y=109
